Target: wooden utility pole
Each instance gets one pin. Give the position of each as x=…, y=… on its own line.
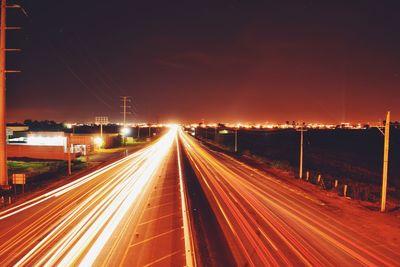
x=301, y=153
x=236, y=140
x=3, y=71
x=69, y=154
x=385, y=162
x=3, y=153
x=302, y=130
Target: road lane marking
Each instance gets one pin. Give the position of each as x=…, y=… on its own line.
x=155, y=237
x=161, y=205
x=159, y=218
x=162, y=195
x=167, y=187
x=162, y=258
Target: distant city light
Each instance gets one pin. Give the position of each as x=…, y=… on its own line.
x=267, y=125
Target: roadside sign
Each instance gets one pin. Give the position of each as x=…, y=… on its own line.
x=19, y=178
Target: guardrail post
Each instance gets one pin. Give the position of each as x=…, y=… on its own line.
x=307, y=175
x=319, y=179
x=336, y=183
x=345, y=190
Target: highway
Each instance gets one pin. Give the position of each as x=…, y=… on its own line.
x=268, y=223
x=135, y=212
x=129, y=213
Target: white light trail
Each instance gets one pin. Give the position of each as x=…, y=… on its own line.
x=80, y=236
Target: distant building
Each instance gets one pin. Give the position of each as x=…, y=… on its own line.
x=13, y=128
x=49, y=145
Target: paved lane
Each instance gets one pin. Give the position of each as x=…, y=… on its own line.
x=268, y=223
x=86, y=221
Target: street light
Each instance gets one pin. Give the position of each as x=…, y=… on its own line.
x=98, y=141
x=101, y=120
x=125, y=131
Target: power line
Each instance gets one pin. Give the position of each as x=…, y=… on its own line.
x=49, y=42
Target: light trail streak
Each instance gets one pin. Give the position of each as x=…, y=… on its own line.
x=77, y=233
x=265, y=217
x=66, y=188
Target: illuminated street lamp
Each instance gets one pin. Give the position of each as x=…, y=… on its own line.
x=102, y=120
x=98, y=141
x=125, y=131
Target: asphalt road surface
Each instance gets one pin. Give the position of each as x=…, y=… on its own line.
x=133, y=212
x=268, y=223
x=130, y=213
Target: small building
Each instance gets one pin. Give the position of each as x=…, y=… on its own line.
x=55, y=145
x=49, y=145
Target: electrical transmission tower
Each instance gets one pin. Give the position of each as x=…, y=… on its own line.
x=125, y=100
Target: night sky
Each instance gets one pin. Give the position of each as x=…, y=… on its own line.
x=248, y=61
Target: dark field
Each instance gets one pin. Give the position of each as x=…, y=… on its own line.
x=352, y=156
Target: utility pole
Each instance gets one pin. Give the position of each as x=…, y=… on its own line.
x=385, y=162
x=301, y=153
x=302, y=130
x=236, y=140
x=124, y=107
x=3, y=145
x=3, y=71
x=69, y=154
